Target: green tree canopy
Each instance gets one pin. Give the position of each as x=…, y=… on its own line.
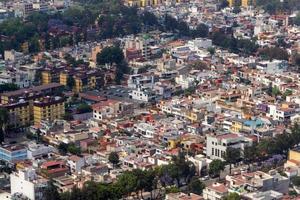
x=232, y=156
x=114, y=158
x=215, y=167
x=110, y=55
x=196, y=186
x=233, y=196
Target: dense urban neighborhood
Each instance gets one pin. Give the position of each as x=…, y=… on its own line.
x=149, y=99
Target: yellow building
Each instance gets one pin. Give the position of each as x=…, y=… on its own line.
x=173, y=143
x=84, y=82
x=46, y=77
x=243, y=3
x=63, y=78
x=19, y=114
x=20, y=103
x=294, y=158
x=237, y=125
x=50, y=76
x=48, y=109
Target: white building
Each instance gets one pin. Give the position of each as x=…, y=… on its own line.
x=184, y=81
x=146, y=95
x=76, y=163
x=270, y=194
x=216, y=146
x=200, y=43
x=273, y=67
x=27, y=182
x=279, y=113
x=38, y=150
x=216, y=191
x=146, y=130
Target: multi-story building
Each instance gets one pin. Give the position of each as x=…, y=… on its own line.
x=19, y=114
x=243, y=3
x=141, y=44
x=76, y=163
x=216, y=146
x=50, y=76
x=53, y=169
x=30, y=94
x=273, y=67
x=28, y=184
x=19, y=103
x=281, y=113
x=82, y=80
x=38, y=150
x=215, y=191
x=146, y=95
x=258, y=181
x=111, y=109
x=12, y=153
x=49, y=108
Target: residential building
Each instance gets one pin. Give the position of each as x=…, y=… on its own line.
x=273, y=67
x=243, y=3
x=111, y=109
x=48, y=108
x=270, y=194
x=216, y=146
x=28, y=183
x=146, y=95
x=53, y=169
x=216, y=191
x=76, y=163
x=12, y=153
x=36, y=151
x=258, y=181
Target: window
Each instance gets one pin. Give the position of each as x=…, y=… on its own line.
x=212, y=151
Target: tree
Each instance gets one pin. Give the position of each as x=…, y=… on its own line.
x=274, y=53
x=297, y=19
x=4, y=119
x=114, y=158
x=63, y=148
x=232, y=196
x=172, y=189
x=224, y=4
x=51, y=192
x=84, y=108
x=38, y=135
x=236, y=10
x=110, y=55
x=127, y=183
x=296, y=181
x=275, y=91
x=149, y=19
x=211, y=50
x=287, y=93
x=215, y=167
x=73, y=149
x=6, y=87
x=183, y=28
x=70, y=82
x=196, y=186
x=201, y=31
x=250, y=154
x=232, y=156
